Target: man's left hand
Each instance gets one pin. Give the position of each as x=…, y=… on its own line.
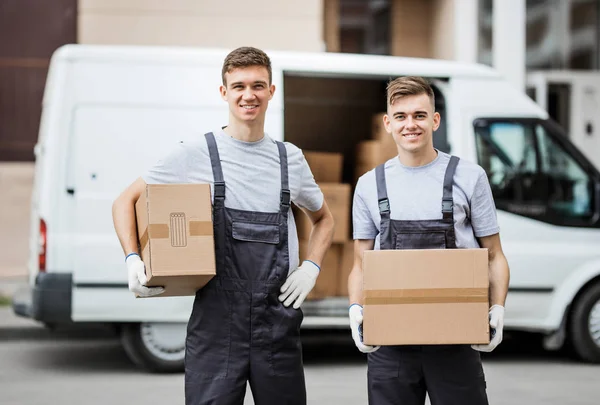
x=496, y=325
x=298, y=284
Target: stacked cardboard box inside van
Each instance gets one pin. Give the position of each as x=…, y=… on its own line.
x=380, y=148
x=327, y=170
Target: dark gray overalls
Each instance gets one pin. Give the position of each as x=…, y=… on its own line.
x=451, y=374
x=238, y=330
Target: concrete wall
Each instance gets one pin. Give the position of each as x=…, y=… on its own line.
x=411, y=28
x=442, y=29
x=16, y=182
x=268, y=24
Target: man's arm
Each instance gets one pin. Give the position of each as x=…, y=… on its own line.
x=123, y=213
x=301, y=281
x=499, y=271
x=321, y=234
x=355, y=279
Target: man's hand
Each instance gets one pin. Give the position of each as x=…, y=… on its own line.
x=136, y=272
x=298, y=284
x=356, y=319
x=497, y=325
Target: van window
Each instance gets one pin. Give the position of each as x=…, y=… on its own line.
x=532, y=174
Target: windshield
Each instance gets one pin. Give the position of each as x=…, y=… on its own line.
x=532, y=174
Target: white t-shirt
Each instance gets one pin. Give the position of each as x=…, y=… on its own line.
x=251, y=172
x=415, y=193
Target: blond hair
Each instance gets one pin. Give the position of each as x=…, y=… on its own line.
x=408, y=86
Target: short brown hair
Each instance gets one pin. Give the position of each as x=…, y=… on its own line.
x=408, y=86
x=245, y=56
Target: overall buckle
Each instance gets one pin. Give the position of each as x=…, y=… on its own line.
x=447, y=205
x=285, y=198
x=384, y=206
x=219, y=189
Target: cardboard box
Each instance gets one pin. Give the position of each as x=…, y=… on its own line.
x=370, y=154
x=346, y=264
x=338, y=198
x=428, y=296
x=327, y=282
x=326, y=167
x=175, y=230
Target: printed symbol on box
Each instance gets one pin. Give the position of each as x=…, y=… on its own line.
x=178, y=229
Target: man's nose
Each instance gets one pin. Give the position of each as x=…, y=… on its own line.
x=410, y=122
x=248, y=93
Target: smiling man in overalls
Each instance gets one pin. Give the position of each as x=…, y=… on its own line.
x=424, y=199
x=245, y=323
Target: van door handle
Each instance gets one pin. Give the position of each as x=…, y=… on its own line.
x=71, y=191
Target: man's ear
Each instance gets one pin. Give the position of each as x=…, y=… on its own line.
x=223, y=91
x=436, y=120
x=387, y=123
x=271, y=91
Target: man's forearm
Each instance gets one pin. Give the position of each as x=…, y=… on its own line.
x=355, y=288
x=125, y=225
x=499, y=279
x=320, y=239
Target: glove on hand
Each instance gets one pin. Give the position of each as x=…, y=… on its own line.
x=298, y=284
x=356, y=319
x=136, y=272
x=496, y=325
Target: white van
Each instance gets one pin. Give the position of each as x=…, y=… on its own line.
x=110, y=112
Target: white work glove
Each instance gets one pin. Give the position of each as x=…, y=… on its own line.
x=136, y=274
x=496, y=325
x=299, y=283
x=356, y=319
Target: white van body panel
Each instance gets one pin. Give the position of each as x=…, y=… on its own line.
x=111, y=112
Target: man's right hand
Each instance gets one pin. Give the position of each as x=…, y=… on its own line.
x=136, y=272
x=356, y=319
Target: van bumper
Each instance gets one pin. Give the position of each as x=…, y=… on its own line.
x=49, y=301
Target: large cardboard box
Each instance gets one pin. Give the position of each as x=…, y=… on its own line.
x=338, y=199
x=428, y=296
x=327, y=282
x=346, y=264
x=326, y=167
x=175, y=230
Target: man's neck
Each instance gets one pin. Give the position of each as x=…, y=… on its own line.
x=420, y=158
x=246, y=132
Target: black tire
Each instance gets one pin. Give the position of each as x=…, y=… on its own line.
x=141, y=355
x=582, y=341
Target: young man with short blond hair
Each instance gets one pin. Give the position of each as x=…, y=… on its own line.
x=424, y=199
x=245, y=323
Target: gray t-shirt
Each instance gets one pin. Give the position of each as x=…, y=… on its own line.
x=252, y=176
x=415, y=193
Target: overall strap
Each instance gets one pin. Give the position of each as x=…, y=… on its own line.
x=285, y=187
x=215, y=161
x=447, y=200
x=382, y=196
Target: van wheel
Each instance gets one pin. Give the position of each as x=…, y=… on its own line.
x=156, y=347
x=584, y=325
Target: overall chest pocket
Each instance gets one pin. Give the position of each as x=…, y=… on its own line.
x=255, y=232
x=421, y=240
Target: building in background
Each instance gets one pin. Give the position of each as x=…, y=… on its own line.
x=511, y=35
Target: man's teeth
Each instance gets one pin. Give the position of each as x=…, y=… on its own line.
x=249, y=107
x=411, y=135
